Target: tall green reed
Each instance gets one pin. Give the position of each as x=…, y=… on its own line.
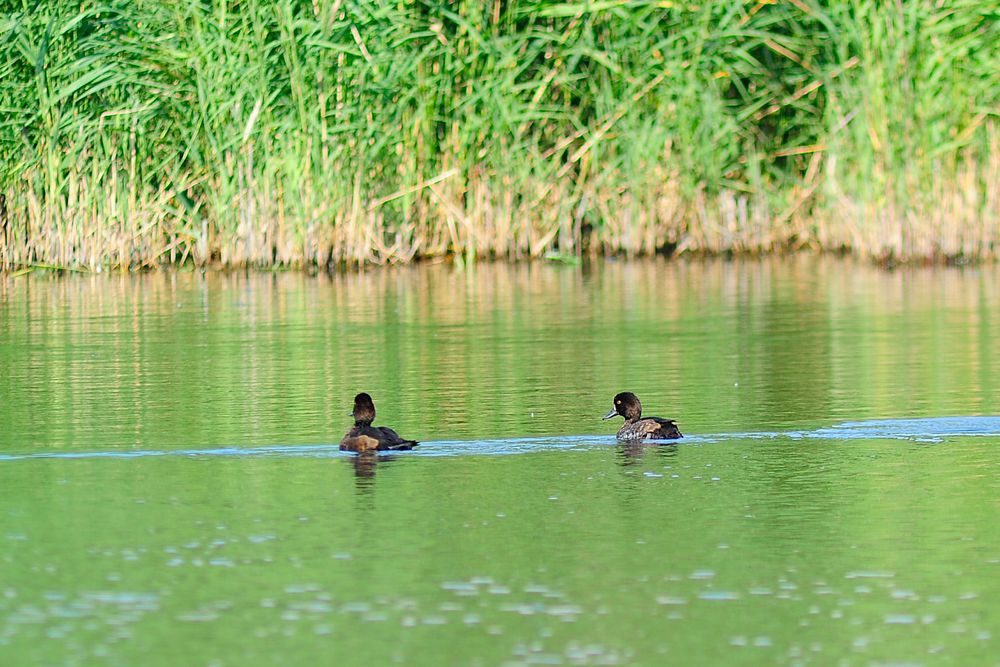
x=332, y=132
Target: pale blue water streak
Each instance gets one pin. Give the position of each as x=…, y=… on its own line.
x=931, y=431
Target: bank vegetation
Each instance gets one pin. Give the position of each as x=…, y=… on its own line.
x=329, y=133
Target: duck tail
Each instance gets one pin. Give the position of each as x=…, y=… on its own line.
x=668, y=429
x=403, y=445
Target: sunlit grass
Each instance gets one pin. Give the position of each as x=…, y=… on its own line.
x=276, y=132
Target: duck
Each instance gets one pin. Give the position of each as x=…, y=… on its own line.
x=367, y=438
x=635, y=427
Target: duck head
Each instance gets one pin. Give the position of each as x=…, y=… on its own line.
x=364, y=410
x=627, y=405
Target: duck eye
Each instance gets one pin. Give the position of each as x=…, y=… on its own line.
x=618, y=402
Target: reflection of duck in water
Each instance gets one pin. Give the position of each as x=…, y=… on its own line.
x=367, y=438
x=632, y=452
x=635, y=427
x=365, y=464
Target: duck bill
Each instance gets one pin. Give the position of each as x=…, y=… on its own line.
x=613, y=413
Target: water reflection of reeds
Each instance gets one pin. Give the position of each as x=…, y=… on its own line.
x=496, y=350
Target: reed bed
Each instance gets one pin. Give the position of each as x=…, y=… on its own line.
x=328, y=132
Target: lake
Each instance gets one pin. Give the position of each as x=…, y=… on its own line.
x=172, y=492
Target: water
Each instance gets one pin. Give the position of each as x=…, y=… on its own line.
x=172, y=492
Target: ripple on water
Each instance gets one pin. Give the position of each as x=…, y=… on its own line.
x=66, y=615
x=900, y=619
x=719, y=595
x=869, y=574
x=670, y=600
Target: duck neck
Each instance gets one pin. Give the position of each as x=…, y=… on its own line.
x=632, y=415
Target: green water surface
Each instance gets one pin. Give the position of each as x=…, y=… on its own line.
x=171, y=493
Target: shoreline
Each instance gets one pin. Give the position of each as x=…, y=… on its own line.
x=456, y=262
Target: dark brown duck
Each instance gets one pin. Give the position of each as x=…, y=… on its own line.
x=635, y=427
x=367, y=438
